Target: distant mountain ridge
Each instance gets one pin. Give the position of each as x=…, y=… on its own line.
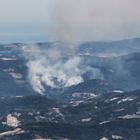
x=118, y=61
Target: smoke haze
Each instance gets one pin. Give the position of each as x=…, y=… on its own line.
x=55, y=67
x=72, y=21
x=69, y=19
x=48, y=67
x=80, y=20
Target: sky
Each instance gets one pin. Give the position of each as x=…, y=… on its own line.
x=68, y=20
x=23, y=20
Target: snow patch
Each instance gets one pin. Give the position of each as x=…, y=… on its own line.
x=138, y=112
x=57, y=110
x=16, y=75
x=17, y=114
x=132, y=116
x=86, y=120
x=116, y=137
x=9, y=70
x=104, y=122
x=76, y=103
x=30, y=113
x=19, y=96
x=118, y=91
x=12, y=132
x=7, y=59
x=104, y=138
x=12, y=121
x=89, y=95
x=127, y=99
x=114, y=99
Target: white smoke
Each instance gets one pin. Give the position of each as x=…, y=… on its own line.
x=55, y=67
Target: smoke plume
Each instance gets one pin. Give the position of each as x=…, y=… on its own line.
x=81, y=20
x=71, y=21
x=55, y=66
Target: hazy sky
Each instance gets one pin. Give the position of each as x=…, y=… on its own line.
x=42, y=20
x=23, y=20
